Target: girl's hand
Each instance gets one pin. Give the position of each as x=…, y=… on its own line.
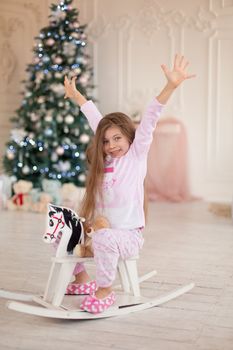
x=178, y=74
x=70, y=87
x=72, y=92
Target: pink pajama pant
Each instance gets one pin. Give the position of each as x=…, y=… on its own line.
x=109, y=245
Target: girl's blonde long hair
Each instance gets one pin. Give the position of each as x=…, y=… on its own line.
x=96, y=159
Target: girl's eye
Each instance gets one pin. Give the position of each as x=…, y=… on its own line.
x=105, y=142
x=50, y=222
x=117, y=138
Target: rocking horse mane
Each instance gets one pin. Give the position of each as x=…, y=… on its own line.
x=72, y=221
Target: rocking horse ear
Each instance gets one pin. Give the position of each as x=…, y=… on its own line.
x=50, y=207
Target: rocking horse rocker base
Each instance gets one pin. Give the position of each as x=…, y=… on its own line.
x=123, y=306
x=55, y=304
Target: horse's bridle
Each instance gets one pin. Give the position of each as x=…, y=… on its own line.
x=59, y=222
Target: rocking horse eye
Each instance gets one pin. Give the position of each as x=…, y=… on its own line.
x=50, y=222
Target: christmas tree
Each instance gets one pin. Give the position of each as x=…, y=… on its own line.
x=50, y=134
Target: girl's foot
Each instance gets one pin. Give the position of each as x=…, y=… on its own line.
x=81, y=285
x=81, y=288
x=81, y=277
x=103, y=292
x=95, y=305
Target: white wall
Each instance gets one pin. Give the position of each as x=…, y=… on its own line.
x=130, y=39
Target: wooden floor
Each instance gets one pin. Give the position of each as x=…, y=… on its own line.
x=184, y=243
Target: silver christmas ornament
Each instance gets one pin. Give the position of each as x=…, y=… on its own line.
x=82, y=178
x=26, y=169
x=69, y=119
x=84, y=138
x=60, y=150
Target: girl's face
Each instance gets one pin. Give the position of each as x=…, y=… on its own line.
x=115, y=144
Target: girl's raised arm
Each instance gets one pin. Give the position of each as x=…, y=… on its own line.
x=88, y=108
x=144, y=132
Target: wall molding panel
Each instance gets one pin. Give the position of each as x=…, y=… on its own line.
x=220, y=130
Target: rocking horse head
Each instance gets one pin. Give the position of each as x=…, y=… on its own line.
x=59, y=220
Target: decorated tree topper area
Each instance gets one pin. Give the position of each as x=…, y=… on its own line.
x=50, y=135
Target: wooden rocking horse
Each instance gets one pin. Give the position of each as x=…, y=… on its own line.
x=64, y=229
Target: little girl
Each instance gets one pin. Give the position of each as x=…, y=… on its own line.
x=114, y=186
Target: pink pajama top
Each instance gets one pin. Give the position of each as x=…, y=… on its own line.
x=123, y=184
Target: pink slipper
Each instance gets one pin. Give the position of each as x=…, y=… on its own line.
x=95, y=306
x=81, y=288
